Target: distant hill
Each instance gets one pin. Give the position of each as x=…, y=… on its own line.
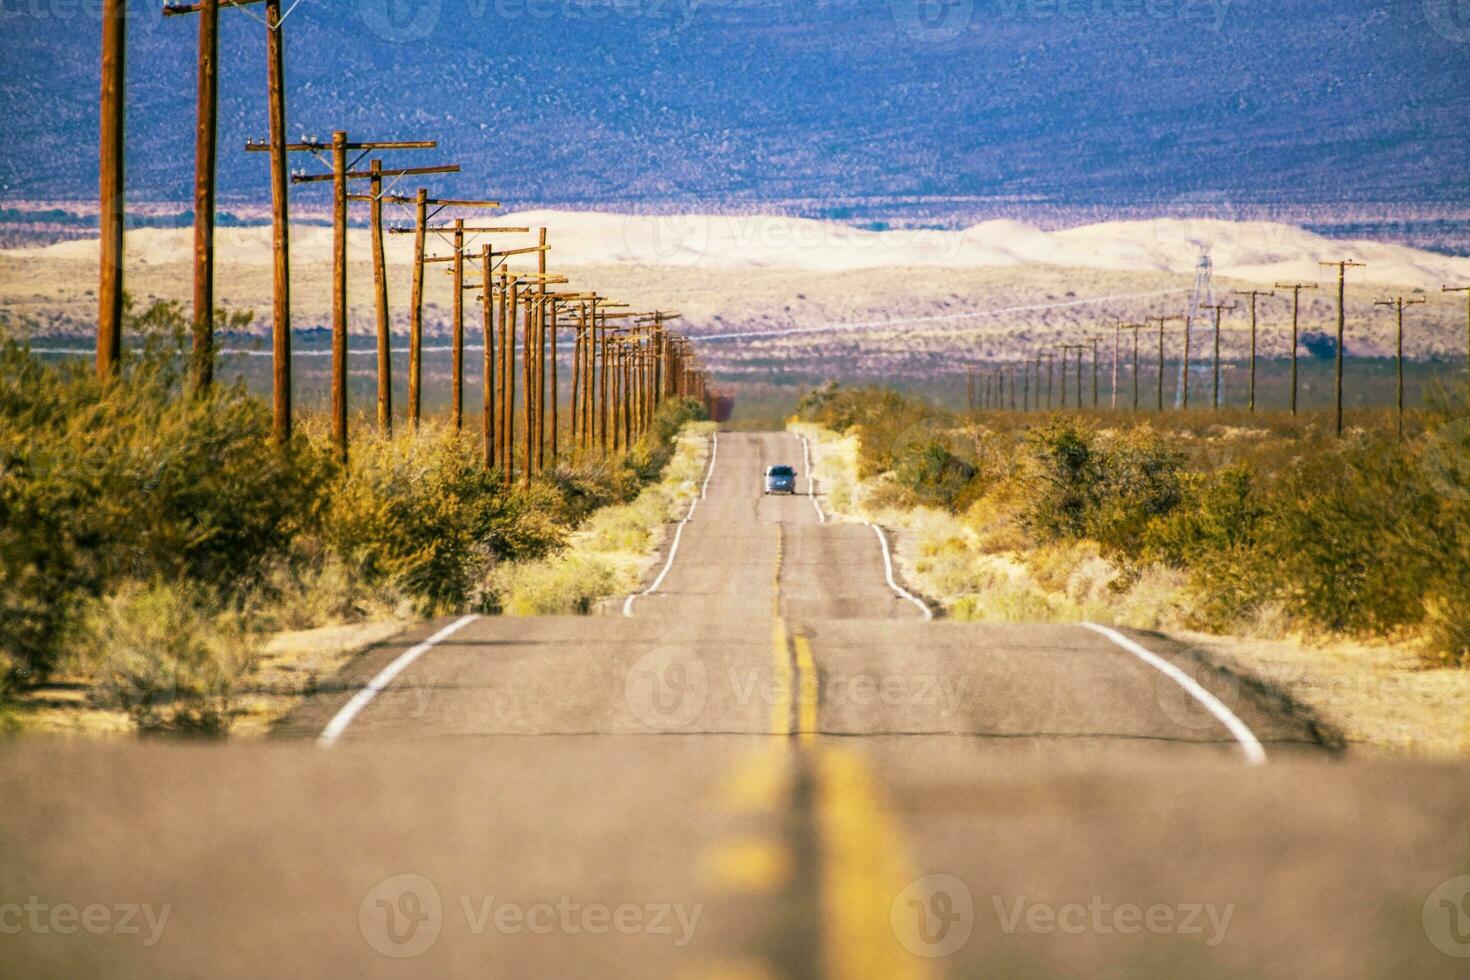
x=908, y=108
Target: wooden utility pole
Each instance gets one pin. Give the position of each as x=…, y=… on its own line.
x=1254, y=294
x=1398, y=303
x=1342, y=267
x=1095, y=400
x=380, y=292
x=1117, y=337
x=1135, y=327
x=342, y=172
x=1050, y=360
x=422, y=205
x=1466, y=291
x=1219, y=309
x=1161, y=320
x=205, y=156
x=487, y=368
x=970, y=389
x=207, y=108
x=110, y=189
x=460, y=246
x=1296, y=307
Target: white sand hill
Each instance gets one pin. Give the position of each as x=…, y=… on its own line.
x=1256, y=251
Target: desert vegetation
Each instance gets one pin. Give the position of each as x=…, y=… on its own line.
x=1226, y=522
x=152, y=535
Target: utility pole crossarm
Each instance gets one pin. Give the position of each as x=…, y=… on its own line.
x=174, y=9
x=452, y=168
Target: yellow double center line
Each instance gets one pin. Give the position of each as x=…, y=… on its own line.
x=862, y=865
x=796, y=675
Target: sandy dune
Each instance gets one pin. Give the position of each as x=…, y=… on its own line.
x=1254, y=251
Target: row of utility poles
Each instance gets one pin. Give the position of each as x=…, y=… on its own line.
x=995, y=388
x=623, y=363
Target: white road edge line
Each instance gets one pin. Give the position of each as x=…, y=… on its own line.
x=362, y=698
x=1255, y=755
x=811, y=481
x=714, y=454
x=888, y=573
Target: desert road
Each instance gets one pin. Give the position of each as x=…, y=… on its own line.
x=771, y=762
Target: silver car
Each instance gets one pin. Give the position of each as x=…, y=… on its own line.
x=780, y=479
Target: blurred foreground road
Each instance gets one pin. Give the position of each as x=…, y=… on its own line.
x=775, y=766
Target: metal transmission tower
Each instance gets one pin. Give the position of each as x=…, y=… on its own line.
x=1202, y=300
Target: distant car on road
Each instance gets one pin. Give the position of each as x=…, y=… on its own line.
x=780, y=479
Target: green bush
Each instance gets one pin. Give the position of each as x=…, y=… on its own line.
x=422, y=515
x=133, y=480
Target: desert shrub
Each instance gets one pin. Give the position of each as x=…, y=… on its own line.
x=1141, y=482
x=133, y=480
x=423, y=516
x=934, y=474
x=1335, y=534
x=166, y=656
x=1065, y=474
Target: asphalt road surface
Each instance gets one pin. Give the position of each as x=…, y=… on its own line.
x=772, y=764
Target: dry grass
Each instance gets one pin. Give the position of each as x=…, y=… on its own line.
x=293, y=663
x=610, y=554
x=1379, y=695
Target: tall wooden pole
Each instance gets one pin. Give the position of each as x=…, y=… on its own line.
x=1398, y=303
x=555, y=417
x=1095, y=400
x=1219, y=309
x=1296, y=307
x=457, y=368
x=380, y=293
x=1342, y=268
x=1254, y=294
x=1161, y=320
x=280, y=226
x=110, y=189
x=1117, y=337
x=488, y=365
x=540, y=342
x=339, y=293
x=1466, y=291
x=416, y=311
x=204, y=166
